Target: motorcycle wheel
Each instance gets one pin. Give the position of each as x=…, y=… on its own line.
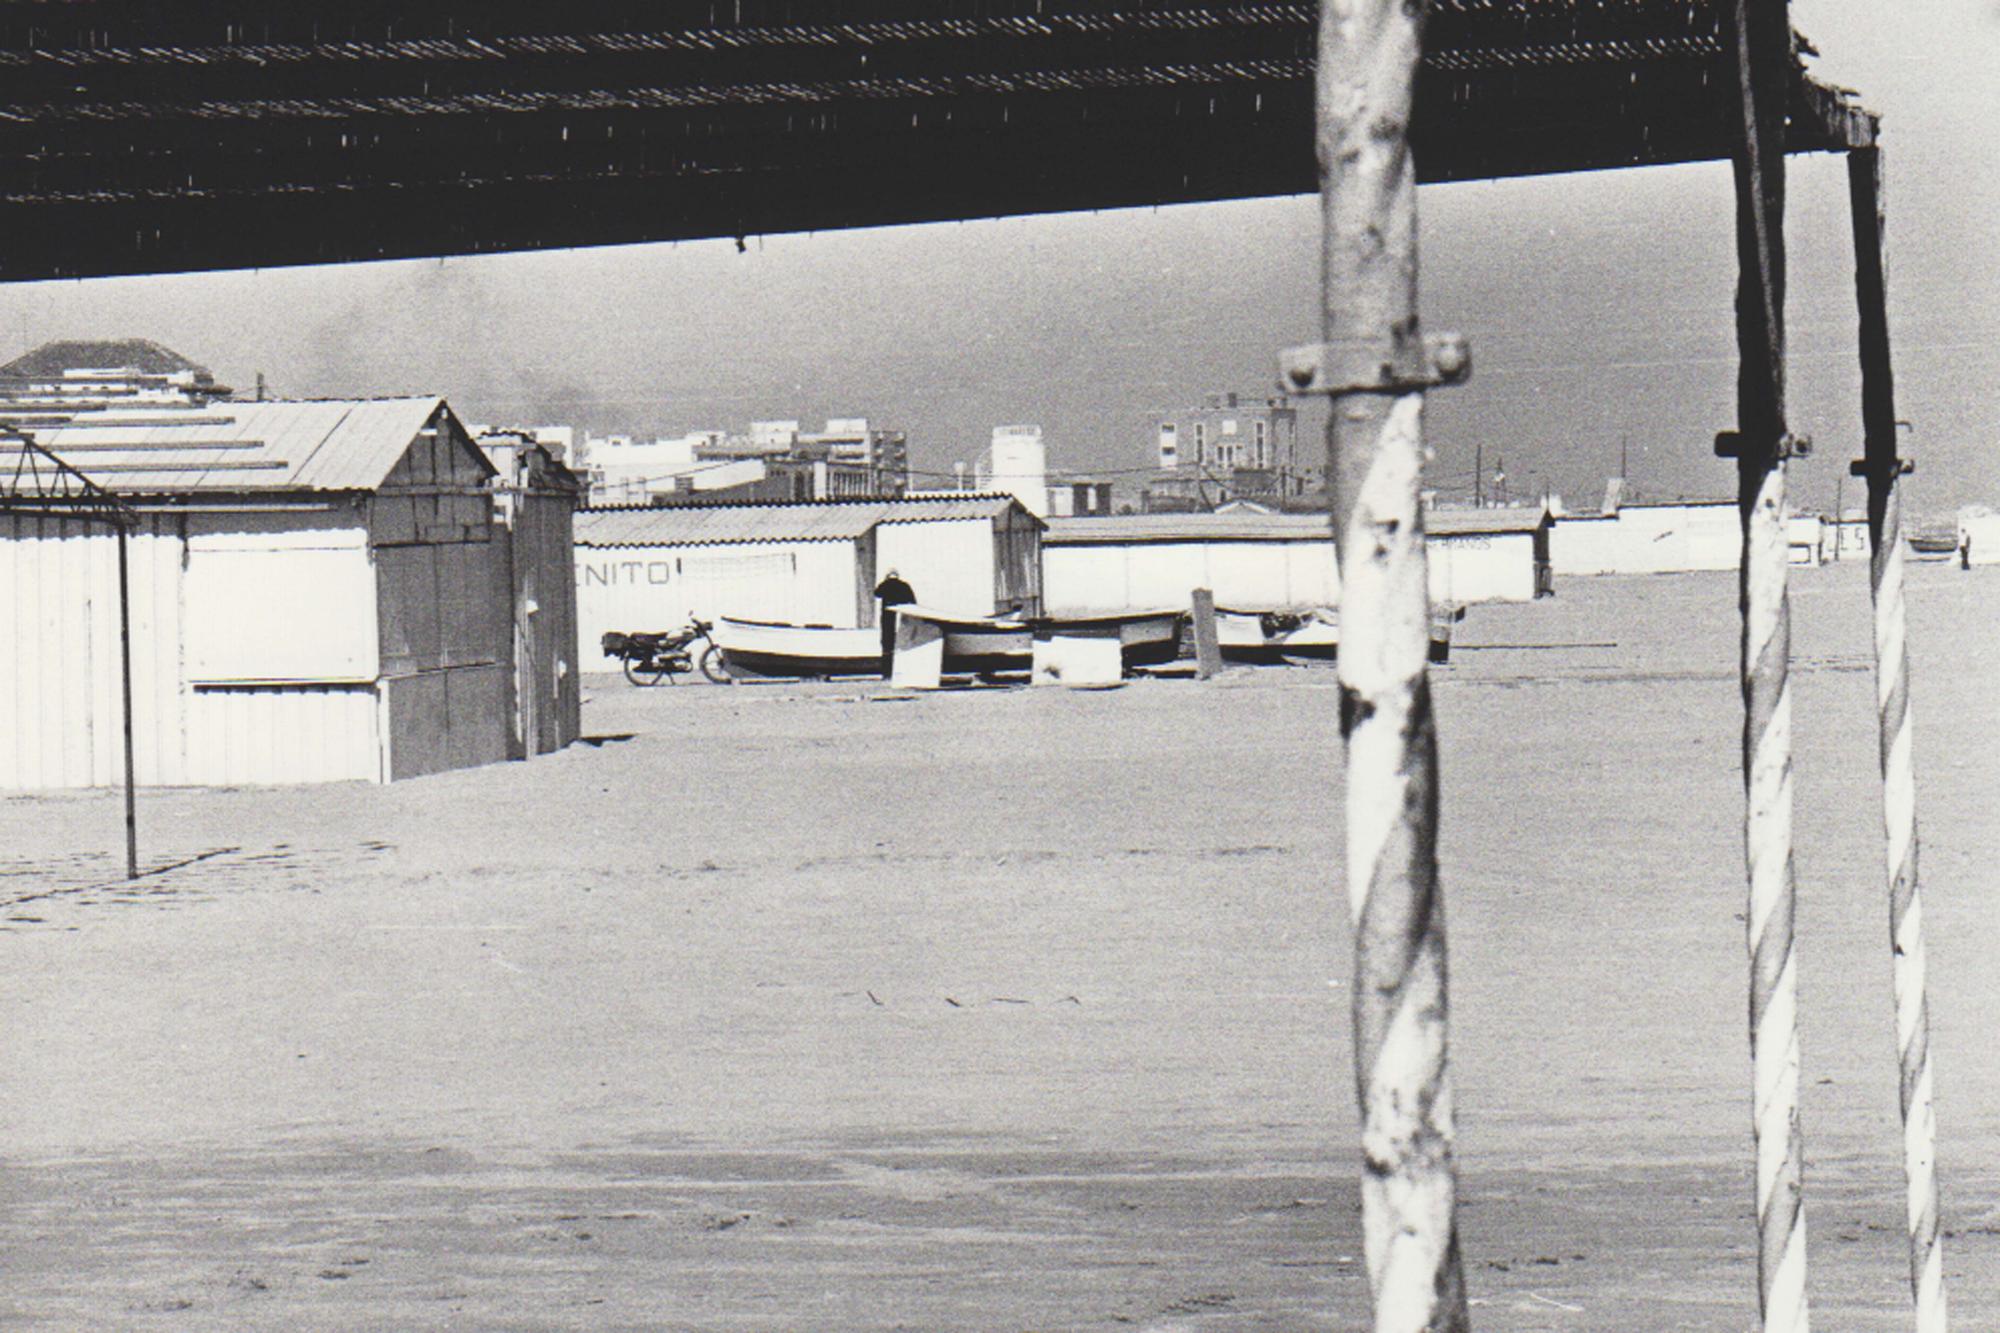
x=644, y=671
x=713, y=666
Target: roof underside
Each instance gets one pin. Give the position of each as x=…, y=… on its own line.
x=137, y=137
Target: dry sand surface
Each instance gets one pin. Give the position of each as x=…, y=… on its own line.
x=815, y=1007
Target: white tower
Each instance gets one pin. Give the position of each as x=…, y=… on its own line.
x=1017, y=462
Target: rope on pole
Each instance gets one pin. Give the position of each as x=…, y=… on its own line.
x=1761, y=42
x=1376, y=366
x=1774, y=1034
x=1882, y=468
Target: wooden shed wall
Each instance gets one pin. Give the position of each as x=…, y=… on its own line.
x=545, y=699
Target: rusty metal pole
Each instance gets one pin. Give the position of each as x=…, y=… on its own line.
x=1882, y=469
x=125, y=676
x=1376, y=366
x=1761, y=42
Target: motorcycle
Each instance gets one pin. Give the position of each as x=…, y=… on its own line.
x=652, y=658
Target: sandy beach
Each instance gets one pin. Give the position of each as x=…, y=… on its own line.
x=826, y=1007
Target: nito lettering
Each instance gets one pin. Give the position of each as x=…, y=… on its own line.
x=610, y=573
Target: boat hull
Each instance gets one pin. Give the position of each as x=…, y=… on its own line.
x=1145, y=638
x=1276, y=636
x=802, y=652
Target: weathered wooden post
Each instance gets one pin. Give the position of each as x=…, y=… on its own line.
x=1207, y=650
x=1376, y=365
x=1761, y=42
x=1882, y=468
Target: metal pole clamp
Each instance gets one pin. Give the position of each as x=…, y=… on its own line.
x=1370, y=366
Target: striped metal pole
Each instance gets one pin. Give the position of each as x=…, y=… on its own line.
x=1762, y=46
x=1376, y=366
x=1882, y=468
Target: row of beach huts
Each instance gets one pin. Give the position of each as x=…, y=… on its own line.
x=334, y=590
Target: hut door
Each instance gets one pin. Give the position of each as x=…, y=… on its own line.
x=527, y=694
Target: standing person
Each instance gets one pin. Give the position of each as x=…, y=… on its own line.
x=891, y=593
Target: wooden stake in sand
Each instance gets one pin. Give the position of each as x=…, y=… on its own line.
x=1376, y=366
x=1882, y=468
x=1761, y=42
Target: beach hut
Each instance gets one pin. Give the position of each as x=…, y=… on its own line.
x=1251, y=561
x=1488, y=555
x=1275, y=562
x=973, y=555
x=316, y=594
x=811, y=563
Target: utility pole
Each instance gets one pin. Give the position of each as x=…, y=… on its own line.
x=1478, y=476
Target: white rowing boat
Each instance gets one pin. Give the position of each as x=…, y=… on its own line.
x=775, y=648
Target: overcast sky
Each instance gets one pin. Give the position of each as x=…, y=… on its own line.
x=1598, y=306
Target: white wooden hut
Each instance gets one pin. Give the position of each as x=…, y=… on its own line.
x=316, y=594
x=653, y=569
x=1488, y=555
x=1667, y=537
x=1265, y=561
x=1250, y=561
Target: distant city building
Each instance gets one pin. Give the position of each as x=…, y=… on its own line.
x=1079, y=497
x=1229, y=448
x=773, y=460
x=89, y=376
x=1016, y=463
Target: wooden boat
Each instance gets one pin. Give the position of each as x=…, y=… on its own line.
x=1279, y=636
x=979, y=645
x=1145, y=638
x=775, y=648
x=1274, y=636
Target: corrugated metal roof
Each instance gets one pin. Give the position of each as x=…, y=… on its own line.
x=1245, y=526
x=1472, y=522
x=1236, y=527
x=334, y=445
x=708, y=525
x=933, y=508
x=810, y=521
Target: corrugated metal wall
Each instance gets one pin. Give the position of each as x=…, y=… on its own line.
x=279, y=597
x=948, y=563
x=61, y=718
x=283, y=733
x=281, y=648
x=225, y=607
x=651, y=589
